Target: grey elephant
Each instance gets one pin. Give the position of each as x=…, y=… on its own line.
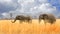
x=50, y=18
x=22, y=18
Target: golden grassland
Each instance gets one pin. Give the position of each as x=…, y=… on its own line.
x=6, y=27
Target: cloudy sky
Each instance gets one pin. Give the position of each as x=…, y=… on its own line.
x=29, y=7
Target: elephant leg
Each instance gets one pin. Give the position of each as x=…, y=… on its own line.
x=52, y=21
x=39, y=20
x=20, y=21
x=45, y=22
x=25, y=20
x=29, y=21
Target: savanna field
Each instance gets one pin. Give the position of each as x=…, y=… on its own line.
x=7, y=27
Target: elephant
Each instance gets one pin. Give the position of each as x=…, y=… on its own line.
x=22, y=18
x=50, y=18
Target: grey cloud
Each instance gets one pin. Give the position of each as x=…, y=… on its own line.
x=30, y=7
x=6, y=7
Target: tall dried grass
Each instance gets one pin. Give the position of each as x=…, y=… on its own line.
x=6, y=27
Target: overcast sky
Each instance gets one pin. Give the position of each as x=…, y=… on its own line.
x=29, y=7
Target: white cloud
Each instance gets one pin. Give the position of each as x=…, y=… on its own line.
x=5, y=15
x=5, y=1
x=47, y=8
x=43, y=1
x=43, y=8
x=25, y=1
